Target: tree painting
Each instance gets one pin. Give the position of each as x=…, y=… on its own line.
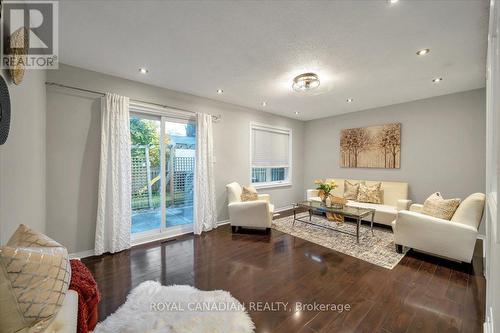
x=371, y=147
x=354, y=141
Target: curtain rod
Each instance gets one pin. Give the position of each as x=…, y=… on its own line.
x=48, y=83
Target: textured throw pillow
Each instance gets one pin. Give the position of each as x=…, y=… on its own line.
x=34, y=280
x=370, y=193
x=249, y=193
x=351, y=190
x=26, y=237
x=438, y=207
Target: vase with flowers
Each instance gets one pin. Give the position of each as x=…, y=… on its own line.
x=325, y=187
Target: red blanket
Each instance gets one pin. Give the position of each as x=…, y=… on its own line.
x=84, y=284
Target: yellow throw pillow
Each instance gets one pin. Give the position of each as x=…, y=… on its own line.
x=34, y=280
x=370, y=193
x=351, y=190
x=249, y=193
x=436, y=206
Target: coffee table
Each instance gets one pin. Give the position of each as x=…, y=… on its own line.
x=347, y=211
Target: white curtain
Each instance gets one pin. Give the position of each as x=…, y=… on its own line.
x=205, y=215
x=114, y=201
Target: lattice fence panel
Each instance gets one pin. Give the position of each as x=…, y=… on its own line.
x=140, y=198
x=183, y=175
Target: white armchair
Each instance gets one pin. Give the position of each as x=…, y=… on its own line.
x=453, y=239
x=253, y=214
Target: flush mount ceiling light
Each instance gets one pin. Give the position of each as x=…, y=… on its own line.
x=437, y=80
x=220, y=91
x=305, y=82
x=423, y=52
x=350, y=100
x=143, y=70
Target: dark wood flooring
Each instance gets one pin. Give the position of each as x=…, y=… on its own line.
x=421, y=294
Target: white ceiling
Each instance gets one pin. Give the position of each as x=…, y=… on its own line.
x=360, y=49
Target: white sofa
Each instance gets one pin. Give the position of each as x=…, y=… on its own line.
x=453, y=239
x=252, y=214
x=395, y=198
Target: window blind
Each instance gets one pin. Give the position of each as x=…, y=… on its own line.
x=270, y=147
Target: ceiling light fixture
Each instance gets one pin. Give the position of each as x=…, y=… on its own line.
x=296, y=112
x=143, y=70
x=392, y=2
x=220, y=91
x=437, y=80
x=349, y=100
x=264, y=103
x=423, y=52
x=305, y=82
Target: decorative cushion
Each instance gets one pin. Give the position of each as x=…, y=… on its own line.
x=470, y=211
x=435, y=205
x=351, y=190
x=370, y=193
x=33, y=281
x=26, y=237
x=249, y=193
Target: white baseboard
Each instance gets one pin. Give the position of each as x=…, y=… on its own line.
x=222, y=222
x=488, y=324
x=90, y=253
x=82, y=254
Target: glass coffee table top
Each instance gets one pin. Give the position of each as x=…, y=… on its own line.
x=348, y=211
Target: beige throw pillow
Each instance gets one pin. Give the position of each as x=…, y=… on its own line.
x=436, y=206
x=249, y=193
x=351, y=190
x=34, y=280
x=370, y=193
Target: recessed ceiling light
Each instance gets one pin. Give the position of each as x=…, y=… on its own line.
x=220, y=91
x=296, y=112
x=264, y=103
x=306, y=81
x=143, y=70
x=423, y=52
x=349, y=100
x=437, y=80
x=392, y=2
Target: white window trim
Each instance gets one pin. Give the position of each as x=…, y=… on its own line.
x=288, y=182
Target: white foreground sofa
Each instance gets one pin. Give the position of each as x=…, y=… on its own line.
x=453, y=239
x=252, y=214
x=395, y=198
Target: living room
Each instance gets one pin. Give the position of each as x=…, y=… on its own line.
x=334, y=175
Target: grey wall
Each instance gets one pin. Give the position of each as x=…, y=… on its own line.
x=73, y=139
x=442, y=145
x=22, y=157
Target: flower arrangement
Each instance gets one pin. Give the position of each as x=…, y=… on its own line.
x=325, y=187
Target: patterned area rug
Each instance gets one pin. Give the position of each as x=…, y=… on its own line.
x=378, y=249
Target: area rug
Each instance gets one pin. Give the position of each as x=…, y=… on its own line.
x=378, y=249
x=151, y=307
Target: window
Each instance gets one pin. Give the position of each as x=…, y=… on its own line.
x=270, y=155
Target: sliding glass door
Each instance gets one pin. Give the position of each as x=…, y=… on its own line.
x=179, y=171
x=146, y=173
x=163, y=158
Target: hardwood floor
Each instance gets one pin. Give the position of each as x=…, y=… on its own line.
x=421, y=294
